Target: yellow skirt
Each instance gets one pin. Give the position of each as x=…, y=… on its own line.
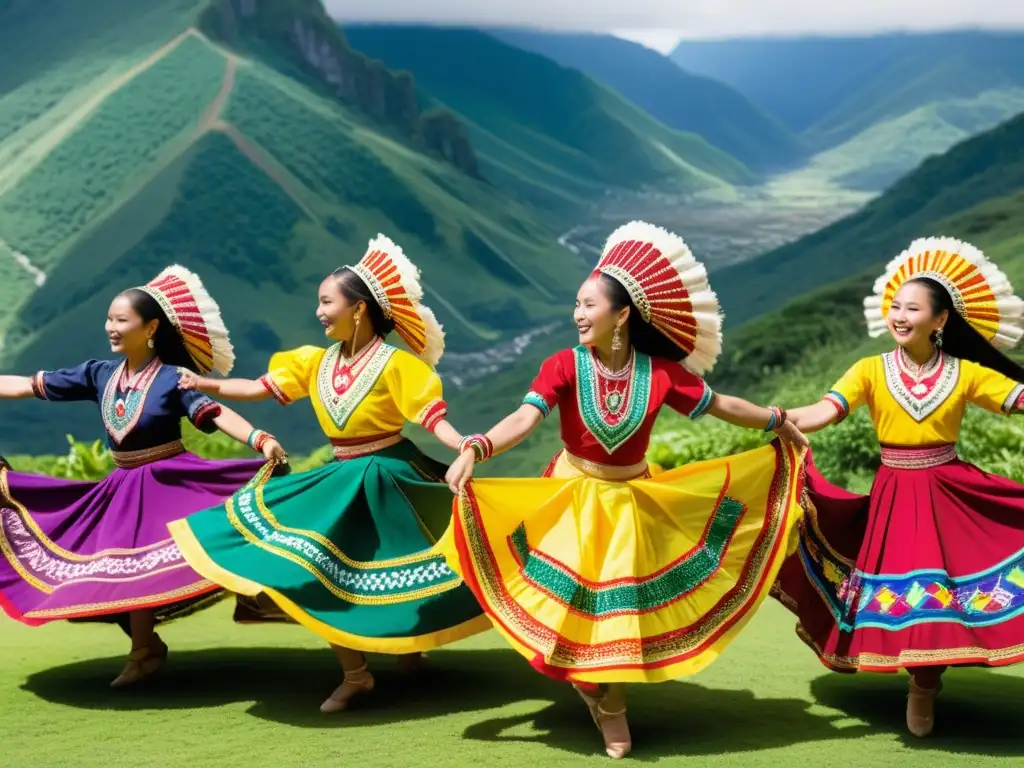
x=645, y=580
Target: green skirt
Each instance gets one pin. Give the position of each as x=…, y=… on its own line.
x=346, y=550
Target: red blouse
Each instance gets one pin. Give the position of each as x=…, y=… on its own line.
x=607, y=418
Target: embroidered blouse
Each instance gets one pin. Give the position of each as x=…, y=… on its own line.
x=608, y=417
x=909, y=412
x=372, y=395
x=139, y=412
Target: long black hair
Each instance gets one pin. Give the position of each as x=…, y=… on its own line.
x=352, y=287
x=959, y=338
x=643, y=336
x=167, y=342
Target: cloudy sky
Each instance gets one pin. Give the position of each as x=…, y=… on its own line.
x=661, y=23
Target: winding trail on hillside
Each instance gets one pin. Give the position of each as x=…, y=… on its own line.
x=38, y=151
x=213, y=112
x=38, y=276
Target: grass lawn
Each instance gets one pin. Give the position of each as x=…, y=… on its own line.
x=248, y=696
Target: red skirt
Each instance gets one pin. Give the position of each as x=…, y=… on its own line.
x=928, y=570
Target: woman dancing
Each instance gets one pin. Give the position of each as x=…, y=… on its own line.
x=926, y=571
x=599, y=573
x=347, y=550
x=95, y=550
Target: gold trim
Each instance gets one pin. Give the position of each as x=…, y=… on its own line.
x=607, y=471
x=342, y=452
x=898, y=457
x=201, y=587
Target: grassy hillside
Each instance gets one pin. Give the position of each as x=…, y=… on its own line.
x=687, y=102
x=874, y=107
x=144, y=142
x=548, y=131
x=983, y=168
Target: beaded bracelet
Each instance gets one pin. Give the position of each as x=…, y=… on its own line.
x=778, y=418
x=258, y=438
x=482, y=446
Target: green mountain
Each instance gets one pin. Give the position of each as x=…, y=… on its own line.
x=687, y=102
x=874, y=107
x=552, y=133
x=248, y=141
x=986, y=167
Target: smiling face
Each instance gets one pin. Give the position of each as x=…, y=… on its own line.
x=126, y=330
x=336, y=314
x=596, y=318
x=912, y=319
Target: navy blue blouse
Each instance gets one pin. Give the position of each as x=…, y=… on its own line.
x=140, y=411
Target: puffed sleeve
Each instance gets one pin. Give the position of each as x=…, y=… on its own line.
x=853, y=388
x=991, y=390
x=416, y=389
x=69, y=384
x=688, y=393
x=551, y=384
x=200, y=409
x=289, y=373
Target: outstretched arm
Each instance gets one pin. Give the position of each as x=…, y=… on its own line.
x=447, y=434
x=238, y=428
x=15, y=387
x=740, y=412
x=743, y=413
x=245, y=390
x=507, y=433
x=812, y=418
x=514, y=428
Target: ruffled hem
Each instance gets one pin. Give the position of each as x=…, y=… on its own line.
x=578, y=615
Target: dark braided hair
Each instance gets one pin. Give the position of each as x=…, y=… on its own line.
x=643, y=336
x=167, y=342
x=354, y=289
x=959, y=338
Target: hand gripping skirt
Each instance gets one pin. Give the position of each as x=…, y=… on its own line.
x=928, y=570
x=645, y=580
x=82, y=550
x=347, y=550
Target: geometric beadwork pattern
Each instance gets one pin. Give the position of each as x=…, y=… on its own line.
x=898, y=601
x=637, y=595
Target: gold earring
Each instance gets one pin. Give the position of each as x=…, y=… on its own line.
x=616, y=340
x=355, y=335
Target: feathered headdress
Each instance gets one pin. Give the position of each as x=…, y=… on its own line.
x=980, y=291
x=669, y=287
x=195, y=316
x=394, y=282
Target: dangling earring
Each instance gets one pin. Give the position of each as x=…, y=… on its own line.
x=616, y=340
x=355, y=335
x=938, y=338
x=149, y=343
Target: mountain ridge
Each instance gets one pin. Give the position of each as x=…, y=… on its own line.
x=679, y=99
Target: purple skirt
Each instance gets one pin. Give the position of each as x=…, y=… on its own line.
x=97, y=550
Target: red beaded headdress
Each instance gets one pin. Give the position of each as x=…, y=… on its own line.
x=980, y=291
x=394, y=282
x=195, y=316
x=669, y=287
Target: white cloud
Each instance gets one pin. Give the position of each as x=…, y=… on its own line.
x=659, y=23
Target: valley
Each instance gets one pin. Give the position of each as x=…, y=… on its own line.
x=722, y=228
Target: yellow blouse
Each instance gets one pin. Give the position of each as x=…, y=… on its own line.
x=906, y=412
x=372, y=395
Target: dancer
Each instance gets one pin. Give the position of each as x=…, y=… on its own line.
x=75, y=550
x=925, y=572
x=347, y=550
x=599, y=573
